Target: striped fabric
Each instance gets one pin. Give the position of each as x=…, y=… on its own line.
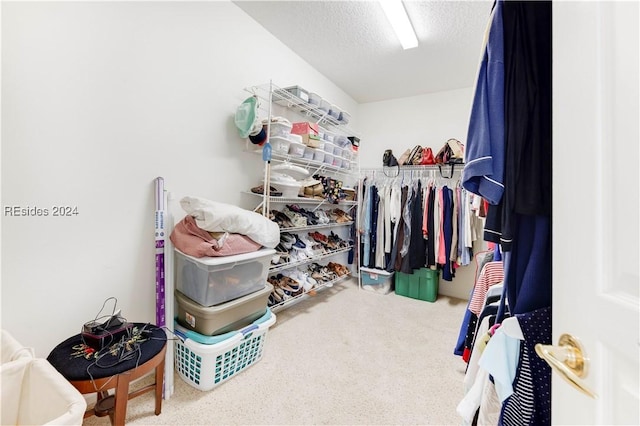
x=530, y=403
x=492, y=273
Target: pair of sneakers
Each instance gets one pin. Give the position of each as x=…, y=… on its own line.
x=307, y=282
x=323, y=218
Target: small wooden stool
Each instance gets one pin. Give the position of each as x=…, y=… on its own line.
x=77, y=365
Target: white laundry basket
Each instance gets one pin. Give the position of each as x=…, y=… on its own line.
x=207, y=365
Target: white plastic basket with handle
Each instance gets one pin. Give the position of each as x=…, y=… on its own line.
x=205, y=366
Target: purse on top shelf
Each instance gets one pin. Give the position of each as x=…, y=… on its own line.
x=451, y=152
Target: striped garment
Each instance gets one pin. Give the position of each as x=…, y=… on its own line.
x=492, y=273
x=530, y=403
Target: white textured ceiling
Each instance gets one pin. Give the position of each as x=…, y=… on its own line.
x=352, y=43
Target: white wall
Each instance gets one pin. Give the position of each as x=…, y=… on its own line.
x=426, y=120
x=98, y=99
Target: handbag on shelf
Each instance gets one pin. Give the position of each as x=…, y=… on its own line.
x=388, y=159
x=451, y=152
x=415, y=156
x=402, y=161
x=427, y=157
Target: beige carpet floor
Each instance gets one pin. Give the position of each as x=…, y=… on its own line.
x=345, y=356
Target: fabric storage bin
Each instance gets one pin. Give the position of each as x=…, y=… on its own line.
x=304, y=128
x=312, y=141
x=225, y=317
x=35, y=393
x=422, y=284
x=376, y=280
x=279, y=145
x=296, y=149
x=213, y=280
x=205, y=362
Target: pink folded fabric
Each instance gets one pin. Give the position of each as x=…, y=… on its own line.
x=190, y=239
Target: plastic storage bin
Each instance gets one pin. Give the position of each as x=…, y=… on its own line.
x=341, y=141
x=207, y=365
x=225, y=317
x=298, y=92
x=210, y=281
x=279, y=145
x=308, y=153
x=318, y=155
x=314, y=99
x=334, y=111
x=279, y=128
x=296, y=149
x=376, y=280
x=328, y=158
x=344, y=117
x=422, y=284
x=329, y=147
x=324, y=105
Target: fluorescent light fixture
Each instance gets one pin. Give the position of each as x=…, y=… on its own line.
x=397, y=16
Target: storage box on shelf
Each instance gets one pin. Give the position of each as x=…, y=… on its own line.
x=326, y=152
x=318, y=108
x=210, y=281
x=225, y=317
x=205, y=362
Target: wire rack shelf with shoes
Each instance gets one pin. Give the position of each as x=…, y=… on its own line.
x=311, y=171
x=316, y=227
x=315, y=258
x=290, y=286
x=304, y=200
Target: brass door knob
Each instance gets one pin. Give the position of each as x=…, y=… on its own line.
x=569, y=360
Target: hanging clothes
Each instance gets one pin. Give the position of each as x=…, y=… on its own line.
x=366, y=225
x=374, y=225
x=530, y=403
x=447, y=233
x=416, y=255
x=483, y=172
x=416, y=225
x=380, y=231
x=431, y=241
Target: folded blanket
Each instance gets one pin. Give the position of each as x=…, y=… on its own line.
x=190, y=239
x=220, y=217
